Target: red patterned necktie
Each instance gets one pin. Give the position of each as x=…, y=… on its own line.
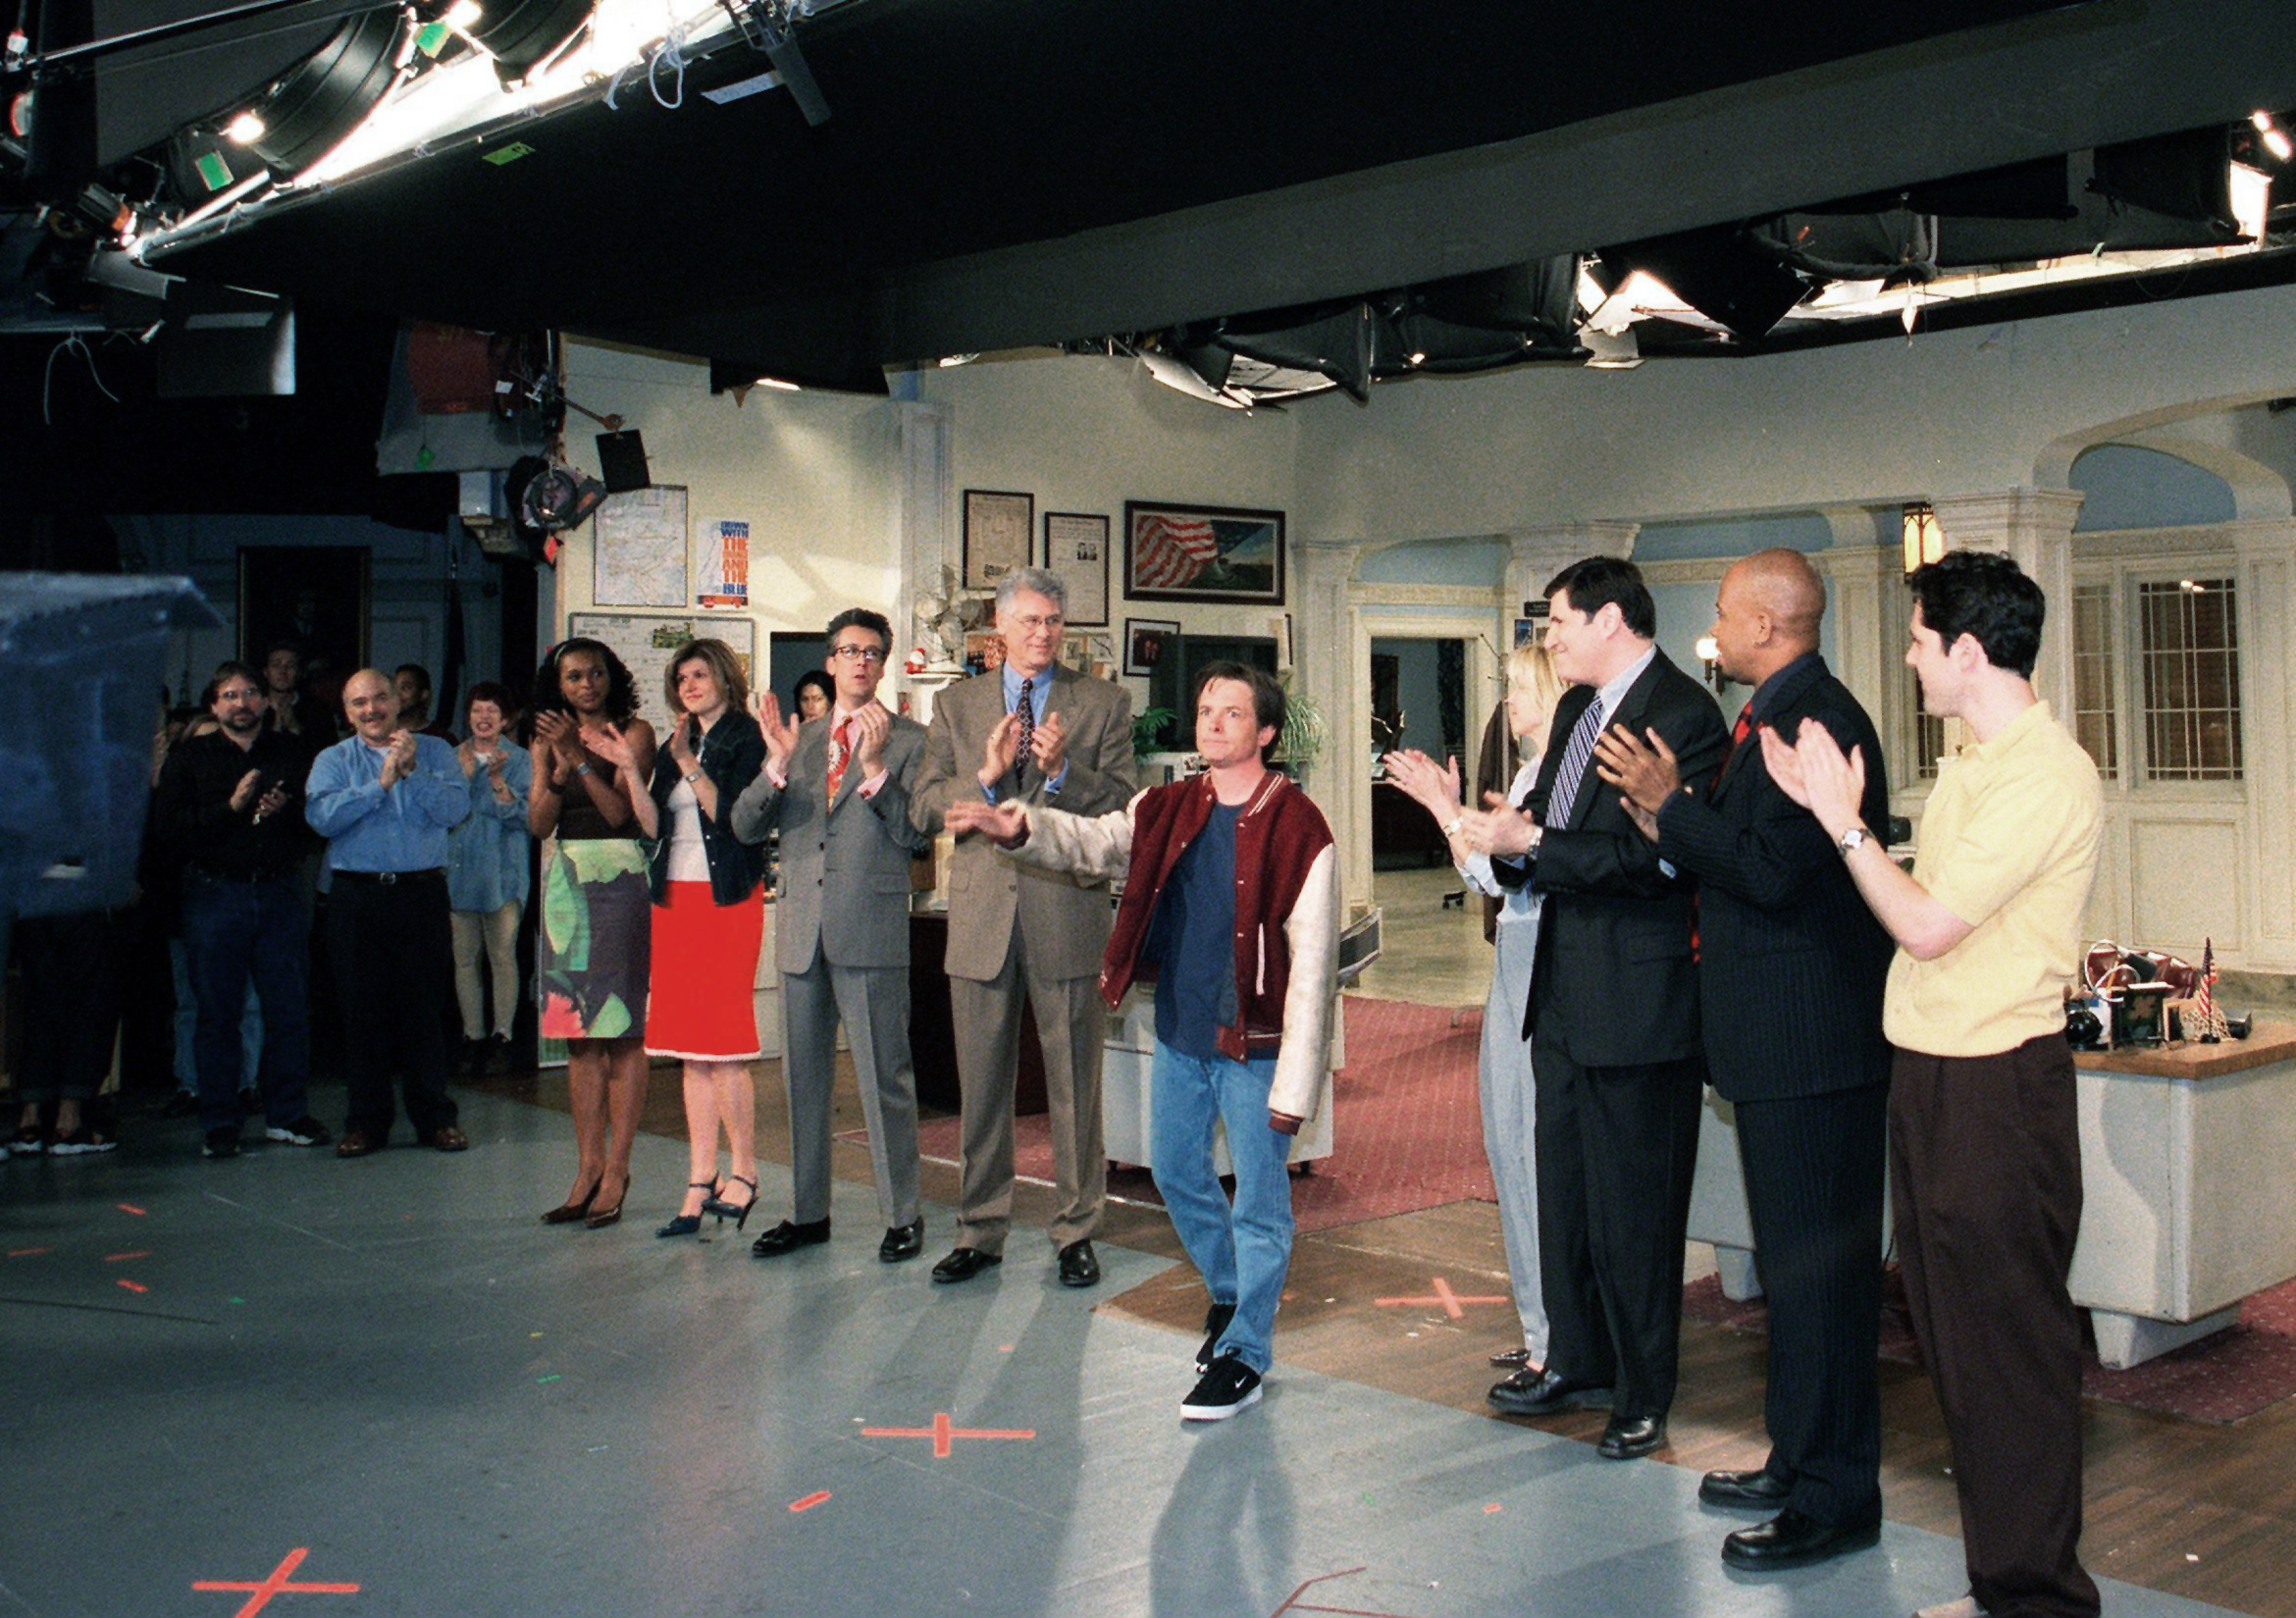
x=1738, y=735
x=840, y=754
x=1026, y=711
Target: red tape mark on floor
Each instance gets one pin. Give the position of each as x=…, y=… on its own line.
x=129, y=1208
x=28, y=1252
x=1444, y=1296
x=275, y=1585
x=1293, y=1604
x=117, y=1258
x=941, y=1433
x=133, y=1286
x=818, y=1498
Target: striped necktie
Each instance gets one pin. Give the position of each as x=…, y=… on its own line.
x=1576, y=752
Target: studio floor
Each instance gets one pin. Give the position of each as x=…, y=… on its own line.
x=319, y=1390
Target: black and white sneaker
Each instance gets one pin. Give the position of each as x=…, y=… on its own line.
x=221, y=1143
x=1228, y=1386
x=1216, y=1321
x=81, y=1142
x=304, y=1131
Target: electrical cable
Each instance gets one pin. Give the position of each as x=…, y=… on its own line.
x=48, y=377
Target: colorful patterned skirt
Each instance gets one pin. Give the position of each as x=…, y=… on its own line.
x=704, y=1005
x=594, y=950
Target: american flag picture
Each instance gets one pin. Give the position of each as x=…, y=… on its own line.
x=1193, y=553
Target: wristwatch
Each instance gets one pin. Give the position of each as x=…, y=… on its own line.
x=692, y=775
x=1853, y=839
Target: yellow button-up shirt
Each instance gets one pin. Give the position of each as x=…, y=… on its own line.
x=2008, y=844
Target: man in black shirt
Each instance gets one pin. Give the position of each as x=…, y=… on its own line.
x=223, y=811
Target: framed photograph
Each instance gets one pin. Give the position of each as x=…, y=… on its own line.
x=1075, y=547
x=1202, y=554
x=997, y=524
x=984, y=649
x=1146, y=641
x=314, y=597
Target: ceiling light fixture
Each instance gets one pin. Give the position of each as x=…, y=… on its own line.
x=2275, y=139
x=246, y=130
x=778, y=385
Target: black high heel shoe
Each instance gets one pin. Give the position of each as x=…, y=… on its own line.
x=725, y=1210
x=568, y=1212
x=685, y=1224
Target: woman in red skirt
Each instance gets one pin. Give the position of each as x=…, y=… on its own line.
x=709, y=917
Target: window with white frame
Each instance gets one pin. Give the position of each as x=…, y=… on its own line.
x=2095, y=713
x=2188, y=662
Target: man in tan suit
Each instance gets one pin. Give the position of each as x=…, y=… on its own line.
x=1044, y=734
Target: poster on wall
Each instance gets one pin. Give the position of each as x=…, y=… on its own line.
x=1202, y=554
x=645, y=643
x=1075, y=549
x=641, y=548
x=997, y=537
x=725, y=564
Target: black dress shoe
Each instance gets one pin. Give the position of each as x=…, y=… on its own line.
x=1628, y=1436
x=1790, y=1539
x=1530, y=1393
x=1759, y=1490
x=965, y=1263
x=1079, y=1268
x=1513, y=1359
x=788, y=1238
x=901, y=1241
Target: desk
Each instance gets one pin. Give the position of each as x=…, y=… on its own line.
x=2189, y=1185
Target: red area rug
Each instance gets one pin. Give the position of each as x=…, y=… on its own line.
x=2221, y=1378
x=1406, y=1124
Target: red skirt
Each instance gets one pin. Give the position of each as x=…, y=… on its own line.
x=702, y=1004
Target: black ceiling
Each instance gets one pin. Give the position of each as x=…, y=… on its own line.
x=1005, y=172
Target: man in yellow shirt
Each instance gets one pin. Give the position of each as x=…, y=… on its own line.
x=1985, y=1160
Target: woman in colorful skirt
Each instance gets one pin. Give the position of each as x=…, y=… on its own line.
x=709, y=918
x=593, y=950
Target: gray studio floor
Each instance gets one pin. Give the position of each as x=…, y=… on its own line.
x=392, y=1368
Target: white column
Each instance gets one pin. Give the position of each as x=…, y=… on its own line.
x=1868, y=634
x=2033, y=527
x=923, y=521
x=1542, y=552
x=1326, y=671
x=2267, y=555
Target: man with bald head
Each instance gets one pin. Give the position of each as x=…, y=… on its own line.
x=385, y=799
x=1790, y=968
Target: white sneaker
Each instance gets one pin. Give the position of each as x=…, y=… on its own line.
x=1228, y=1386
x=1966, y=1607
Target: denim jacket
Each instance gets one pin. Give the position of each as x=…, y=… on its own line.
x=732, y=753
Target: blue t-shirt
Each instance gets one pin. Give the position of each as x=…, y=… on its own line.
x=1192, y=940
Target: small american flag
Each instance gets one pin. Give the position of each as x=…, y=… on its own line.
x=1168, y=553
x=2212, y=1027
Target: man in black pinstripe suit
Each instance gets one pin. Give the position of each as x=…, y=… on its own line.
x=1791, y=971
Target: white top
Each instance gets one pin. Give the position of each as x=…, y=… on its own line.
x=689, y=861
x=1521, y=904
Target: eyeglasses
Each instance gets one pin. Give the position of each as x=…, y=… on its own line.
x=859, y=654
x=1033, y=623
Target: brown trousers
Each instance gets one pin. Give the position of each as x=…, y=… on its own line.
x=1985, y=1179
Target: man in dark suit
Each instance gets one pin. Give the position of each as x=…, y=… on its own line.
x=1791, y=966
x=1613, y=1018
x=1044, y=734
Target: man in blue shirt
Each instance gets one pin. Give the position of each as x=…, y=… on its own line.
x=385, y=799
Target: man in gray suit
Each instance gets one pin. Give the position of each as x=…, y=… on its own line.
x=1044, y=734
x=838, y=787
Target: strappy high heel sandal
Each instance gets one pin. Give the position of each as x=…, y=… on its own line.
x=725, y=1210
x=685, y=1224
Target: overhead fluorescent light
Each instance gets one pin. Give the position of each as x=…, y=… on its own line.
x=779, y=385
x=2252, y=199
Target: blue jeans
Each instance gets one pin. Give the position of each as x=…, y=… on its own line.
x=234, y=931
x=188, y=1025
x=1243, y=1253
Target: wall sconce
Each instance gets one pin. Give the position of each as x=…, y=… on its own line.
x=1710, y=656
x=1923, y=539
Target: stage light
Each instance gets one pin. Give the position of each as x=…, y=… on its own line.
x=779, y=385
x=463, y=14
x=1619, y=350
x=246, y=128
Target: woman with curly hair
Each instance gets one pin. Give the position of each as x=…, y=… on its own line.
x=593, y=951
x=709, y=918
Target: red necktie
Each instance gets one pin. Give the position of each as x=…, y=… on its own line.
x=1738, y=735
x=840, y=754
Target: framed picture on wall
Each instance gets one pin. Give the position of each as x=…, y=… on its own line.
x=1146, y=641
x=1075, y=549
x=997, y=524
x=1202, y=554
x=313, y=598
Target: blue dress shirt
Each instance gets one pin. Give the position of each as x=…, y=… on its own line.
x=368, y=829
